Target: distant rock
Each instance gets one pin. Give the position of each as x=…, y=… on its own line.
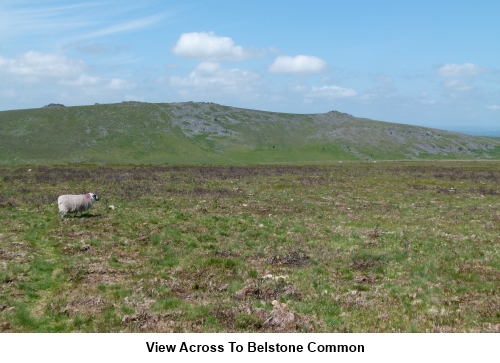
x=54, y=105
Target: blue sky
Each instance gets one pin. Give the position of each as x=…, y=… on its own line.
x=429, y=63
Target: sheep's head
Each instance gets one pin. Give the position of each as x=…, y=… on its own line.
x=94, y=196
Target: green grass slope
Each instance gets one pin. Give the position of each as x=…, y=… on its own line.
x=194, y=133
x=352, y=247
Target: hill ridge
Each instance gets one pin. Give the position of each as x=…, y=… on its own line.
x=135, y=132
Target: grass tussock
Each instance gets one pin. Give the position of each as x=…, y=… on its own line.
x=386, y=247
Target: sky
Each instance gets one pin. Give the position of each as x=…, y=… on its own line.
x=426, y=62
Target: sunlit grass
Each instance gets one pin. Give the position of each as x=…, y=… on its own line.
x=410, y=247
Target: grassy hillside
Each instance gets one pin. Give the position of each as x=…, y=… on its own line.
x=352, y=247
x=186, y=133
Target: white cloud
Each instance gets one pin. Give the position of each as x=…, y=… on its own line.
x=119, y=84
x=494, y=107
x=331, y=92
x=208, y=68
x=301, y=64
x=209, y=47
x=209, y=76
x=459, y=70
x=34, y=65
x=84, y=80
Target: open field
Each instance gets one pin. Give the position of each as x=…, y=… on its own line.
x=344, y=247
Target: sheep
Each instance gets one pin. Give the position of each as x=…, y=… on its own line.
x=75, y=203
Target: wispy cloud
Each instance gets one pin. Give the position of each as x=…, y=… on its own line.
x=8, y=93
x=18, y=19
x=330, y=92
x=212, y=77
x=89, y=48
x=86, y=81
x=382, y=78
x=458, y=86
x=126, y=26
x=460, y=70
x=77, y=21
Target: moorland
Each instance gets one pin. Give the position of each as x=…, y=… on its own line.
x=395, y=246
x=207, y=133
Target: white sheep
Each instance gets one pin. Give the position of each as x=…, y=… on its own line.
x=75, y=203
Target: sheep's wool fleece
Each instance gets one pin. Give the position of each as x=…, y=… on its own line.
x=74, y=203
